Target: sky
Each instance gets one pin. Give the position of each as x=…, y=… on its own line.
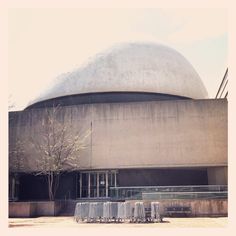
x=44, y=43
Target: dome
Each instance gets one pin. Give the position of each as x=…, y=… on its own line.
x=131, y=67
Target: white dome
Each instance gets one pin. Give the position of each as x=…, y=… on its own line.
x=131, y=67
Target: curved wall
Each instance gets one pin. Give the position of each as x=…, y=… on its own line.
x=174, y=133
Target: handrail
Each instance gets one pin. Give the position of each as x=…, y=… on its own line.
x=170, y=192
x=165, y=193
x=167, y=186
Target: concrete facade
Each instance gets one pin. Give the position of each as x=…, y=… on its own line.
x=175, y=133
x=199, y=207
x=33, y=209
x=149, y=123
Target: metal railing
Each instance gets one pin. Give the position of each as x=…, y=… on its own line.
x=185, y=195
x=169, y=192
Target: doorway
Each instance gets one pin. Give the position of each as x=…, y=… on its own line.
x=96, y=184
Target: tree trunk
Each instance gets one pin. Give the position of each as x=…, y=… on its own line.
x=50, y=186
x=53, y=184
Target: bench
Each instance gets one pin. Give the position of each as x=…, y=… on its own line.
x=178, y=211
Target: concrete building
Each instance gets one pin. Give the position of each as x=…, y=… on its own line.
x=150, y=118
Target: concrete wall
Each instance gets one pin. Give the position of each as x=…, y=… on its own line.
x=199, y=208
x=21, y=209
x=176, y=133
x=213, y=207
x=33, y=209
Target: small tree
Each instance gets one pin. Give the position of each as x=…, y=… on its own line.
x=58, y=149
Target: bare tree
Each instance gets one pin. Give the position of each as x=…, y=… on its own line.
x=58, y=149
x=17, y=165
x=16, y=157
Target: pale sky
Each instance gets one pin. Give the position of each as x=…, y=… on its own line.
x=44, y=43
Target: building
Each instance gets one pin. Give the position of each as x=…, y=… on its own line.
x=151, y=122
x=223, y=88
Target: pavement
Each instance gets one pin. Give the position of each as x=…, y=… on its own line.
x=41, y=222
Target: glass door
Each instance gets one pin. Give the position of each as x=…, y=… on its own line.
x=111, y=181
x=96, y=184
x=93, y=184
x=102, y=185
x=84, y=185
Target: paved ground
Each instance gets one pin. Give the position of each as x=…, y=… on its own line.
x=69, y=222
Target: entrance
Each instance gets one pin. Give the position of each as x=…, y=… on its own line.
x=96, y=184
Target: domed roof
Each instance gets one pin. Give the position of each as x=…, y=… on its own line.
x=131, y=67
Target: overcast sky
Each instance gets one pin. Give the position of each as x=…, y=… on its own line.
x=44, y=43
